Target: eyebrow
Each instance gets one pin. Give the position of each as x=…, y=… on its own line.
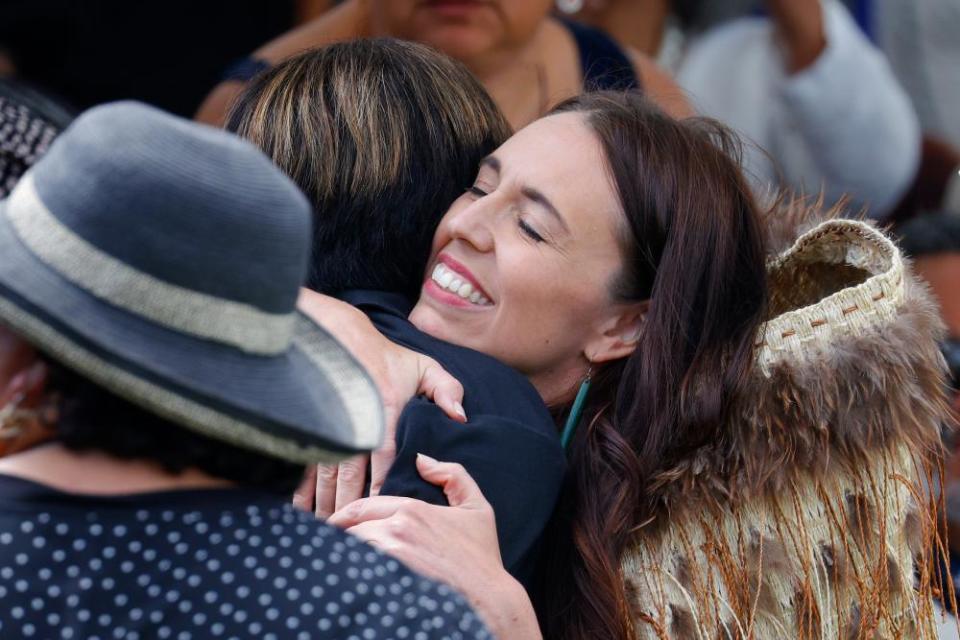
x=491, y=161
x=529, y=193
x=535, y=196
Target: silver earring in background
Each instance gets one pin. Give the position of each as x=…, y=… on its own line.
x=570, y=7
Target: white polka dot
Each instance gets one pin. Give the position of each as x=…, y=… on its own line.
x=26, y=526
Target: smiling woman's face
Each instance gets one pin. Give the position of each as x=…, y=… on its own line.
x=523, y=262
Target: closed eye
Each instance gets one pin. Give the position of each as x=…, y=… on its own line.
x=477, y=191
x=529, y=231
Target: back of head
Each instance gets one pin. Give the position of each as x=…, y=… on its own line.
x=382, y=135
x=692, y=246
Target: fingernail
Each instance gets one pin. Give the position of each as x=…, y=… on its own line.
x=459, y=409
x=422, y=457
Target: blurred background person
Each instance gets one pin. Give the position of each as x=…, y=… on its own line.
x=802, y=82
x=920, y=40
x=527, y=59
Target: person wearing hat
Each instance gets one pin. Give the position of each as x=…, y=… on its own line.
x=186, y=393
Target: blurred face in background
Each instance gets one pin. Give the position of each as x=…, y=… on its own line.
x=464, y=29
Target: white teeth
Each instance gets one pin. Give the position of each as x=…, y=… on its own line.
x=448, y=280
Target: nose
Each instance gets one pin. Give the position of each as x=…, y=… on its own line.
x=474, y=224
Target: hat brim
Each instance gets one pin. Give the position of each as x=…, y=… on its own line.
x=312, y=403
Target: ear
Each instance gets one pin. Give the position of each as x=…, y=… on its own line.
x=618, y=334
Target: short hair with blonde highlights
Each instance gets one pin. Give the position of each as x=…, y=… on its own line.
x=382, y=135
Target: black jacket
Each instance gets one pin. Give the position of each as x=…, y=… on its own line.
x=509, y=444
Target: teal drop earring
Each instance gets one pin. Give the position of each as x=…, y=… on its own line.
x=576, y=411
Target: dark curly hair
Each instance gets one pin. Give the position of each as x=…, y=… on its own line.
x=90, y=417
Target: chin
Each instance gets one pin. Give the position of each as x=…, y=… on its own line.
x=462, y=43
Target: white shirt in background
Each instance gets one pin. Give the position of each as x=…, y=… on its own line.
x=843, y=124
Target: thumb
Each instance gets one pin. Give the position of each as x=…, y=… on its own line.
x=441, y=387
x=461, y=490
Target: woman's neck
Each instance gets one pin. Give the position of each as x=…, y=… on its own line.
x=98, y=473
x=516, y=78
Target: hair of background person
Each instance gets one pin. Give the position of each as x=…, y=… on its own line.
x=693, y=246
x=382, y=135
x=92, y=418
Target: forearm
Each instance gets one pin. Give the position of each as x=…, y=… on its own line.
x=800, y=27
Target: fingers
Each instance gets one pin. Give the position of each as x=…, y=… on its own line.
x=369, y=509
x=351, y=477
x=380, y=462
x=441, y=387
x=304, y=496
x=325, y=498
x=461, y=489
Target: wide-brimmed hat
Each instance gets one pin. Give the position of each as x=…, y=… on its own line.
x=162, y=259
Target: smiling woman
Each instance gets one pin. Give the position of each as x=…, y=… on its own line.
x=538, y=234
x=611, y=242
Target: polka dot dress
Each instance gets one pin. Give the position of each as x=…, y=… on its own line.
x=24, y=137
x=192, y=565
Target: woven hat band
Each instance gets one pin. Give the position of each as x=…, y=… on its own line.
x=103, y=276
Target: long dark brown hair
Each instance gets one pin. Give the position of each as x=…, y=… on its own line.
x=693, y=247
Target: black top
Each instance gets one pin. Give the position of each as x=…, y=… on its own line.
x=509, y=444
x=199, y=564
x=603, y=63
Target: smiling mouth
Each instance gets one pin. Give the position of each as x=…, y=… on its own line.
x=450, y=281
